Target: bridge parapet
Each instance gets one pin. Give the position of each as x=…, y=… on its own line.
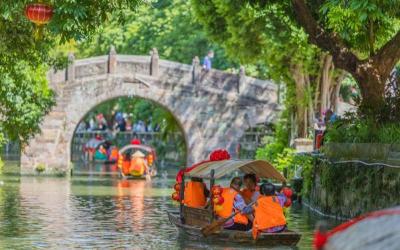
x=166, y=72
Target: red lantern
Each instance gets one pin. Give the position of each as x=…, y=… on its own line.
x=287, y=192
x=218, y=200
x=288, y=203
x=39, y=13
x=216, y=190
x=175, y=196
x=177, y=187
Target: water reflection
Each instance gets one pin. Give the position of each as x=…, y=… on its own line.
x=101, y=212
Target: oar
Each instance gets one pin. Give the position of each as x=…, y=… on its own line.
x=217, y=224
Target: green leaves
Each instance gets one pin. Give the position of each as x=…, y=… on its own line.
x=24, y=95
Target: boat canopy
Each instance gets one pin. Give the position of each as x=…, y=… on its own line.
x=137, y=147
x=261, y=168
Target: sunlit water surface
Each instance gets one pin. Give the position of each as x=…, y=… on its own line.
x=102, y=212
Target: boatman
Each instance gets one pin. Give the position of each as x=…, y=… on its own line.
x=251, y=191
x=233, y=202
x=196, y=193
x=268, y=212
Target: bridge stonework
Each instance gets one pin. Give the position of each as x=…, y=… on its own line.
x=214, y=108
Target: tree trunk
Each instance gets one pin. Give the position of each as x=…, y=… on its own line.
x=301, y=108
x=372, y=87
x=325, y=85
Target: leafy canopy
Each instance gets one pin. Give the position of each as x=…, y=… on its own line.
x=24, y=95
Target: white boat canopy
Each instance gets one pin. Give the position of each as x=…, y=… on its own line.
x=262, y=169
x=137, y=147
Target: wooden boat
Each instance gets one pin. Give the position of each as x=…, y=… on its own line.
x=149, y=154
x=191, y=220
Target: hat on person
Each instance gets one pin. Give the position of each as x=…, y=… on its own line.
x=138, y=154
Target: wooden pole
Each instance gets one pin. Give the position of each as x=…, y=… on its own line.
x=181, y=198
x=212, y=182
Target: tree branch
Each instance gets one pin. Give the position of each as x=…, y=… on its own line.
x=342, y=56
x=387, y=56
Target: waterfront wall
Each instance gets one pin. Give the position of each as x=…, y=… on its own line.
x=346, y=190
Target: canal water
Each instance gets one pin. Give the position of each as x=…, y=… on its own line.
x=96, y=210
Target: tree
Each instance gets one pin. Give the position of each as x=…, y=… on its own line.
x=168, y=25
x=24, y=94
x=266, y=35
x=366, y=45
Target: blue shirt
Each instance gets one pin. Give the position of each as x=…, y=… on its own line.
x=207, y=63
x=238, y=204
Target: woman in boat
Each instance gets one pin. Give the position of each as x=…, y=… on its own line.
x=233, y=202
x=268, y=211
x=251, y=191
x=196, y=193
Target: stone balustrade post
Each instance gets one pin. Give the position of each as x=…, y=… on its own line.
x=241, y=78
x=154, y=62
x=112, y=60
x=196, y=69
x=70, y=71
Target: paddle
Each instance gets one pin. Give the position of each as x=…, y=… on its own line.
x=217, y=224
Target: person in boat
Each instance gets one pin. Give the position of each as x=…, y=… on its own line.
x=251, y=191
x=268, y=211
x=101, y=154
x=138, y=164
x=196, y=193
x=233, y=202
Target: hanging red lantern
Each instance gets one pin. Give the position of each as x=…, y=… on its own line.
x=218, y=200
x=177, y=187
x=175, y=196
x=288, y=203
x=216, y=190
x=39, y=13
x=287, y=192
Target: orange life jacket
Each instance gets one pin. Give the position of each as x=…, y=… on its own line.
x=268, y=213
x=114, y=154
x=194, y=194
x=228, y=209
x=126, y=166
x=137, y=166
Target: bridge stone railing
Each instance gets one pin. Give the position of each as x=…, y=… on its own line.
x=178, y=74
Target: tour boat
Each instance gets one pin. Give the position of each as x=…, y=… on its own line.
x=191, y=220
x=136, y=161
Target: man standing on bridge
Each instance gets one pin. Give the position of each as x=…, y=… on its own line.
x=207, y=63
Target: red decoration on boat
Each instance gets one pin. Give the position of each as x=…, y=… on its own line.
x=287, y=192
x=218, y=200
x=219, y=155
x=177, y=187
x=216, y=190
x=288, y=202
x=320, y=240
x=39, y=13
x=175, y=196
x=136, y=142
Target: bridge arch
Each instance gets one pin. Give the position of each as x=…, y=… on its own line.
x=214, y=108
x=86, y=111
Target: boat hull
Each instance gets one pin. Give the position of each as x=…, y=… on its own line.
x=286, y=238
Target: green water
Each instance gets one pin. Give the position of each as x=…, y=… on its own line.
x=102, y=212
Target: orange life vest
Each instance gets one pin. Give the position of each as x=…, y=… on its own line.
x=114, y=154
x=268, y=213
x=126, y=166
x=137, y=166
x=227, y=207
x=194, y=194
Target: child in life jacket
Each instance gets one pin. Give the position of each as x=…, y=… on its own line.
x=268, y=212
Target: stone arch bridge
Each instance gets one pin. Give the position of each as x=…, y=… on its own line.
x=214, y=108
